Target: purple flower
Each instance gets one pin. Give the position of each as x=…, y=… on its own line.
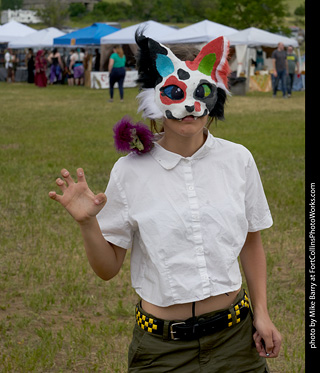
x=129, y=137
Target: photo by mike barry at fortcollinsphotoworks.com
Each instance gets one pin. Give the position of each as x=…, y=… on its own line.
x=311, y=275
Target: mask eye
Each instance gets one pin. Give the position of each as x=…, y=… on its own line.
x=173, y=92
x=203, y=91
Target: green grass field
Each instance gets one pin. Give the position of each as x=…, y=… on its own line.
x=56, y=315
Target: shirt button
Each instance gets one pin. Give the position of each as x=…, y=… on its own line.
x=199, y=249
x=205, y=277
x=191, y=187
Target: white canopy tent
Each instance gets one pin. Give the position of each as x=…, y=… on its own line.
x=151, y=28
x=252, y=37
x=39, y=39
x=12, y=30
x=201, y=32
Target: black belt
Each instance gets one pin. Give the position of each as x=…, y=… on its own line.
x=194, y=328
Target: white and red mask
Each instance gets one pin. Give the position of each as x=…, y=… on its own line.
x=175, y=89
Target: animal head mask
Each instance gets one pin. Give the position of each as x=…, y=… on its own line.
x=175, y=89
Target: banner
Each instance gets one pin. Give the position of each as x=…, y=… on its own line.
x=100, y=80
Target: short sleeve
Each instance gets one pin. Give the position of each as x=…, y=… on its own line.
x=257, y=210
x=113, y=218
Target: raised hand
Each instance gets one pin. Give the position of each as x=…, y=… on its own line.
x=81, y=203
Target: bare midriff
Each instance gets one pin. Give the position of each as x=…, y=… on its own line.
x=184, y=311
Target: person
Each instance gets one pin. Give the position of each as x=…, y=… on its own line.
x=280, y=69
x=117, y=71
x=76, y=65
x=30, y=65
x=293, y=68
x=8, y=58
x=56, y=67
x=68, y=70
x=15, y=61
x=97, y=60
x=40, y=77
x=187, y=208
x=259, y=59
x=87, y=64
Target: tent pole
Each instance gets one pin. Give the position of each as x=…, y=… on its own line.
x=247, y=69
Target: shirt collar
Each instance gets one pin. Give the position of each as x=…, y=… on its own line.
x=169, y=160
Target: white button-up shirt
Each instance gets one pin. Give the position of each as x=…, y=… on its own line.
x=185, y=219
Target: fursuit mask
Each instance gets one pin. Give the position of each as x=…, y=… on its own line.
x=175, y=89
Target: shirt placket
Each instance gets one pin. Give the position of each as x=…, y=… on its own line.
x=196, y=226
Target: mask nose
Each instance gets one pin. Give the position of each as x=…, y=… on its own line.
x=189, y=109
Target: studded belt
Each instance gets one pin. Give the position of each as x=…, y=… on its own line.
x=197, y=327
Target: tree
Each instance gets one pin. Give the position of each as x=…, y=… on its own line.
x=54, y=13
x=300, y=10
x=11, y=4
x=111, y=11
x=299, y=13
x=77, y=10
x=142, y=9
x=264, y=14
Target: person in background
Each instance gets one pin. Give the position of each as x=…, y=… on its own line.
x=68, y=70
x=56, y=68
x=293, y=68
x=40, y=77
x=97, y=60
x=117, y=71
x=8, y=58
x=280, y=69
x=76, y=65
x=15, y=61
x=30, y=65
x=259, y=59
x=87, y=64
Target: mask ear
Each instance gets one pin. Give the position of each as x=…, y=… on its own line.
x=152, y=61
x=212, y=61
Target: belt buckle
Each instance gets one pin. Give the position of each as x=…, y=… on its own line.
x=172, y=332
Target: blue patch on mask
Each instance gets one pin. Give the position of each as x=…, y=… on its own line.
x=164, y=65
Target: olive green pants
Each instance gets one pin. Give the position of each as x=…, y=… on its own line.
x=231, y=350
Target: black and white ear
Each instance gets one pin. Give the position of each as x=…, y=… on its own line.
x=146, y=59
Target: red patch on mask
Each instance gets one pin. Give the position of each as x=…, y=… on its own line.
x=197, y=106
x=172, y=80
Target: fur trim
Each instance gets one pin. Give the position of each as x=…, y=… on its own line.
x=223, y=69
x=147, y=104
x=218, y=110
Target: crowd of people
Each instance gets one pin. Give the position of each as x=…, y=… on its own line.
x=53, y=68
x=285, y=66
x=50, y=67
